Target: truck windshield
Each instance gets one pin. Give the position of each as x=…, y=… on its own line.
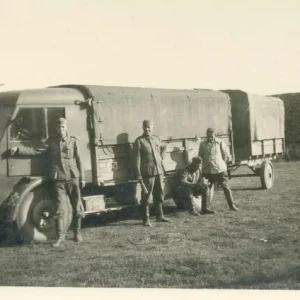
x=6, y=112
x=35, y=123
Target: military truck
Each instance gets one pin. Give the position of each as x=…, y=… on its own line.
x=106, y=120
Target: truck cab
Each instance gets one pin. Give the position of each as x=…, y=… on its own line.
x=28, y=118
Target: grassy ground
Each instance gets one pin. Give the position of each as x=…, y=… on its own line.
x=257, y=247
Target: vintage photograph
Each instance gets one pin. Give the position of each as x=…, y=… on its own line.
x=150, y=145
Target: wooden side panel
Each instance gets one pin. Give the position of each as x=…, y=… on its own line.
x=267, y=147
x=114, y=163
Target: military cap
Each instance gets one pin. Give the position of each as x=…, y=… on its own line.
x=197, y=160
x=61, y=121
x=148, y=123
x=210, y=130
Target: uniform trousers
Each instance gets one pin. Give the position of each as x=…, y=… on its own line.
x=154, y=185
x=64, y=191
x=223, y=182
x=185, y=194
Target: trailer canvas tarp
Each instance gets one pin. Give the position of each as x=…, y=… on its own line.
x=258, y=124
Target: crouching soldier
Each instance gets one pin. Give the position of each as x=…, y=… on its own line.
x=66, y=176
x=191, y=185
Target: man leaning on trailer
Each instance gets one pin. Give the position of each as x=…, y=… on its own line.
x=215, y=157
x=66, y=175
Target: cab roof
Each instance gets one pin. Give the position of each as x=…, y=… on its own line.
x=44, y=96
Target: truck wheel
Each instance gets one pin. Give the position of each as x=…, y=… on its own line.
x=35, y=216
x=267, y=174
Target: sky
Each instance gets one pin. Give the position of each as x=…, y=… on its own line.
x=184, y=44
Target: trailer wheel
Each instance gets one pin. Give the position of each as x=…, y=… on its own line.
x=267, y=174
x=35, y=216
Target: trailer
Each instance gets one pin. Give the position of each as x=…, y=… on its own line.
x=106, y=121
x=258, y=133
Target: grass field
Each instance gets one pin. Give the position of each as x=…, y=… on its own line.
x=257, y=247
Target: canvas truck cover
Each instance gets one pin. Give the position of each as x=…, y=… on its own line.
x=256, y=119
x=176, y=113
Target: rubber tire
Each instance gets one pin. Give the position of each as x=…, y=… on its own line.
x=267, y=175
x=35, y=201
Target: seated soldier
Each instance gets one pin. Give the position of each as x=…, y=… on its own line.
x=191, y=185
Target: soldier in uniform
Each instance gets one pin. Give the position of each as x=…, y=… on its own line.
x=66, y=175
x=215, y=157
x=191, y=184
x=148, y=153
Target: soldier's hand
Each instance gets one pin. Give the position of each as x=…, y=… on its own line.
x=82, y=183
x=13, y=151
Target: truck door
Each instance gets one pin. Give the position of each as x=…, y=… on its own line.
x=30, y=127
x=77, y=120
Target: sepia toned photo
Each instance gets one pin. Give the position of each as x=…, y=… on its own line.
x=150, y=148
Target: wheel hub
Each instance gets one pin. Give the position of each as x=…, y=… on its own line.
x=42, y=215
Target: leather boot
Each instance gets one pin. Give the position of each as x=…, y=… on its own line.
x=205, y=206
x=77, y=230
x=229, y=199
x=146, y=218
x=60, y=233
x=192, y=209
x=211, y=193
x=160, y=214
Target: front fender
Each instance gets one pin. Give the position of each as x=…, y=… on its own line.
x=7, y=185
x=13, y=192
x=21, y=192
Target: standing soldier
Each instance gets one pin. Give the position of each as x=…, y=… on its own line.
x=148, y=153
x=215, y=157
x=65, y=174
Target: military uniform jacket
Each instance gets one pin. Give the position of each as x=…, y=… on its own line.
x=189, y=178
x=215, y=156
x=148, y=155
x=64, y=154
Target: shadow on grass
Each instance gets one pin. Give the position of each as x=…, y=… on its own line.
x=9, y=235
x=9, y=232
x=261, y=282
x=247, y=189
x=128, y=213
